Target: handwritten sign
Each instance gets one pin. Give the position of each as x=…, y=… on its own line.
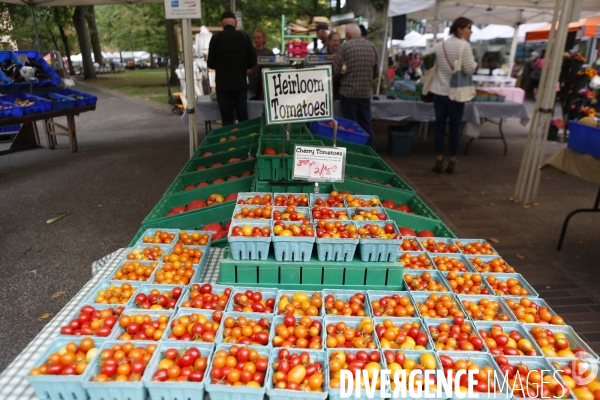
x=319, y=164
x=178, y=9
x=298, y=95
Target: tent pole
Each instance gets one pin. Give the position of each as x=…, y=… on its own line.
x=513, y=50
x=522, y=182
x=35, y=29
x=383, y=53
x=186, y=33
x=555, y=67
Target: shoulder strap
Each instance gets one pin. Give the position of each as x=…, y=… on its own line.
x=460, y=56
x=446, y=55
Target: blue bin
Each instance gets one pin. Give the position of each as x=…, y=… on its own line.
x=12, y=112
x=400, y=139
x=10, y=128
x=578, y=135
x=58, y=102
x=358, y=135
x=84, y=100
x=6, y=81
x=40, y=106
x=33, y=55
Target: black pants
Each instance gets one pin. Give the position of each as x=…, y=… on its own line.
x=230, y=100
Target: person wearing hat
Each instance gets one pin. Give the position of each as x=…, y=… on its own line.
x=231, y=55
x=323, y=35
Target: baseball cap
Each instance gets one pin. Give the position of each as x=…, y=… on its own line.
x=227, y=14
x=534, y=54
x=322, y=25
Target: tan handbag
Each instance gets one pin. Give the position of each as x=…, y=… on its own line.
x=428, y=77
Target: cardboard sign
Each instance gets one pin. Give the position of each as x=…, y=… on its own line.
x=179, y=9
x=319, y=164
x=298, y=95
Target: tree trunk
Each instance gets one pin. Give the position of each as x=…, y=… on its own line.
x=173, y=55
x=90, y=16
x=84, y=43
x=152, y=63
x=67, y=52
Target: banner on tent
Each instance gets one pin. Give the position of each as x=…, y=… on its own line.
x=298, y=95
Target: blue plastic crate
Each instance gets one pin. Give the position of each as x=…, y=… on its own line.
x=482, y=360
x=12, y=112
x=267, y=293
x=223, y=392
x=379, y=250
x=114, y=390
x=181, y=312
x=10, y=128
x=249, y=247
x=292, y=248
x=399, y=322
x=176, y=390
x=147, y=288
x=58, y=102
x=154, y=315
x=335, y=394
x=6, y=81
x=578, y=136
x=357, y=135
x=40, y=106
x=61, y=387
x=86, y=100
x=216, y=289
x=33, y=55
x=278, y=319
x=283, y=394
x=290, y=294
x=329, y=249
x=103, y=285
x=345, y=296
x=219, y=339
x=593, y=143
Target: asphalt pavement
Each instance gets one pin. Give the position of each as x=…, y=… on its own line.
x=130, y=150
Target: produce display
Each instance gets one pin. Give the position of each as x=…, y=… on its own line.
x=13, y=70
x=71, y=359
x=123, y=363
x=178, y=366
x=460, y=306
x=142, y=327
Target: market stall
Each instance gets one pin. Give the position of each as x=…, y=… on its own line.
x=31, y=92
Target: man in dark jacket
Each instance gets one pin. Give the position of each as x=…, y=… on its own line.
x=231, y=54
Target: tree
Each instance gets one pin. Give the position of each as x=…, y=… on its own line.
x=173, y=50
x=79, y=21
x=62, y=15
x=90, y=16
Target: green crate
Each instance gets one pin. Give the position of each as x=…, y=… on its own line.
x=226, y=147
x=209, y=175
x=277, y=168
x=376, y=177
x=242, y=153
x=419, y=223
x=313, y=275
x=387, y=193
x=350, y=147
x=241, y=133
x=291, y=187
x=192, y=221
x=183, y=198
x=281, y=129
x=375, y=163
x=241, y=125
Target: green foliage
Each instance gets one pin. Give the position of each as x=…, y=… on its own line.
x=133, y=27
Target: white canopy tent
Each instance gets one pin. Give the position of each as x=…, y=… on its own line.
x=494, y=31
x=187, y=47
x=516, y=12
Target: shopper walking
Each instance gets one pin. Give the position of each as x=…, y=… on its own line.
x=449, y=112
x=355, y=66
x=231, y=55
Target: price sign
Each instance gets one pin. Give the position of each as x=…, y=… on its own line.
x=319, y=164
x=178, y=9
